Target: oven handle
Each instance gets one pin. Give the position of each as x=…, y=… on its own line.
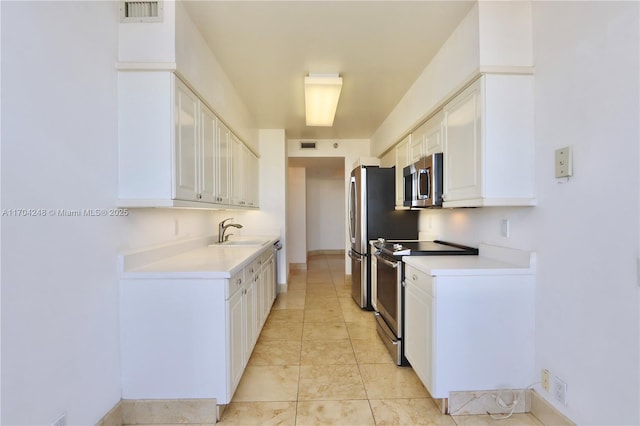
x=389, y=263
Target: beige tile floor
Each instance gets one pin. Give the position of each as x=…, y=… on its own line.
x=319, y=361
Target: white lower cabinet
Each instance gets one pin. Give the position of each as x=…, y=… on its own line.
x=192, y=338
x=469, y=332
x=418, y=319
x=236, y=306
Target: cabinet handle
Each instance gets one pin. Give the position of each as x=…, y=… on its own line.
x=414, y=277
x=404, y=283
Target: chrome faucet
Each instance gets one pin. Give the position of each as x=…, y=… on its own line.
x=222, y=228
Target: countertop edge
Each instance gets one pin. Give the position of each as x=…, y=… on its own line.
x=492, y=260
x=165, y=272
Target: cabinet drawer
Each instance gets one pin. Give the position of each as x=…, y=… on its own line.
x=252, y=269
x=418, y=278
x=235, y=284
x=264, y=258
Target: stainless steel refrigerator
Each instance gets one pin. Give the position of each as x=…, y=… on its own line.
x=372, y=215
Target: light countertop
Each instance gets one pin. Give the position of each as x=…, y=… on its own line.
x=196, y=260
x=492, y=260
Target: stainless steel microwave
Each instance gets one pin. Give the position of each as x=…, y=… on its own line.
x=423, y=182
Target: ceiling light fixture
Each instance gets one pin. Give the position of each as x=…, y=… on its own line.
x=321, y=94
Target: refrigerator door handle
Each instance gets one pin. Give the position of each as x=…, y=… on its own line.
x=353, y=207
x=354, y=256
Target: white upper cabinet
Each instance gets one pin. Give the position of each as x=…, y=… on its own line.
x=195, y=147
x=208, y=155
x=187, y=144
x=237, y=171
x=173, y=150
x=434, y=134
x=416, y=144
x=488, y=144
x=223, y=155
x=252, y=172
x=402, y=161
x=463, y=144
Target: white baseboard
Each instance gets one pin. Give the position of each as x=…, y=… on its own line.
x=547, y=413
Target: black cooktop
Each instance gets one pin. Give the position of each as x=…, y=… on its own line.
x=424, y=248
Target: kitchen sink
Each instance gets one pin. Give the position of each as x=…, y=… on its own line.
x=241, y=243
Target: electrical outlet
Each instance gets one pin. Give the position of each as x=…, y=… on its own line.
x=504, y=228
x=559, y=390
x=545, y=379
x=563, y=163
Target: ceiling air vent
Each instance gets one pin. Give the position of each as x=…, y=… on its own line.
x=307, y=145
x=141, y=11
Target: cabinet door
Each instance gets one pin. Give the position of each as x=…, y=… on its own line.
x=416, y=146
x=260, y=296
x=270, y=284
x=252, y=183
x=223, y=154
x=237, y=171
x=186, y=144
x=250, y=318
x=462, y=155
x=236, y=338
x=433, y=135
x=208, y=161
x=418, y=337
x=402, y=161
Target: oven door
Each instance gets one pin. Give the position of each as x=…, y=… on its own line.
x=389, y=291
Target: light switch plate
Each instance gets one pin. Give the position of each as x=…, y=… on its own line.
x=563, y=163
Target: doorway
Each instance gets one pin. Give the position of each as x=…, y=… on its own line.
x=316, y=207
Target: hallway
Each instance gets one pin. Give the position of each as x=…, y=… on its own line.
x=319, y=361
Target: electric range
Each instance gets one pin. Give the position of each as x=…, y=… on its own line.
x=388, y=270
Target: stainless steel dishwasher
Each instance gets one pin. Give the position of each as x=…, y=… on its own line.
x=277, y=246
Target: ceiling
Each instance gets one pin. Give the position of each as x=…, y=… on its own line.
x=379, y=48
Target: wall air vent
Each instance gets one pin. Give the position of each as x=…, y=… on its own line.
x=141, y=11
x=307, y=145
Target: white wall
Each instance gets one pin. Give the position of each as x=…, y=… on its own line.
x=325, y=212
x=587, y=298
x=151, y=42
x=272, y=217
x=585, y=230
x=296, y=215
x=59, y=289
